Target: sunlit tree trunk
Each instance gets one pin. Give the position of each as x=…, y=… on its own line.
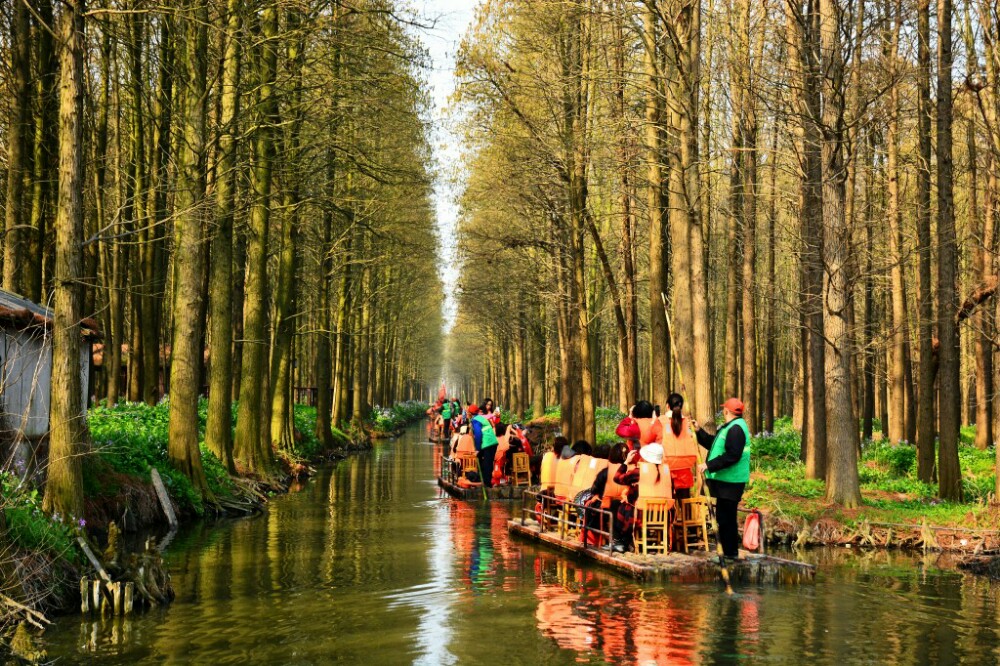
x=252, y=445
x=67, y=425
x=842, y=426
x=218, y=429
x=189, y=255
x=898, y=332
x=659, y=345
x=285, y=290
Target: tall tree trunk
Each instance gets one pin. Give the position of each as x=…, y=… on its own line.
x=982, y=268
x=770, y=354
x=18, y=155
x=137, y=168
x=949, y=474
x=926, y=433
x=219, y=428
x=628, y=382
x=189, y=255
x=252, y=444
x=898, y=333
x=842, y=426
x=749, y=219
x=802, y=39
x=323, y=367
x=67, y=425
x=658, y=350
x=153, y=260
x=45, y=152
x=285, y=292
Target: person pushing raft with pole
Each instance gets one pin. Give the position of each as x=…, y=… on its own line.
x=727, y=470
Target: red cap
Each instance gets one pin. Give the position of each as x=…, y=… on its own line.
x=734, y=405
x=473, y=409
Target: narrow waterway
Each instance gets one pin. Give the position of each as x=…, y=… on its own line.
x=368, y=563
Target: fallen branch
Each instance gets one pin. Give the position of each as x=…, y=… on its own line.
x=31, y=616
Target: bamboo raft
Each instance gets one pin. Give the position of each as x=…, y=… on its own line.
x=695, y=567
x=501, y=493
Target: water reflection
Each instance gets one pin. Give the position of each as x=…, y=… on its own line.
x=368, y=563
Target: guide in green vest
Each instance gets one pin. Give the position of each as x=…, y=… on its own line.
x=727, y=470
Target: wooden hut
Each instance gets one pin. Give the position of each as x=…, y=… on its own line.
x=26, y=372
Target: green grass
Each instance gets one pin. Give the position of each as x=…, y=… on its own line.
x=890, y=488
x=32, y=530
x=387, y=420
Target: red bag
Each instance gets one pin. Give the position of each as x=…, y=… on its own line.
x=751, y=532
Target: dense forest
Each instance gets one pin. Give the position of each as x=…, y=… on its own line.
x=793, y=201
x=236, y=193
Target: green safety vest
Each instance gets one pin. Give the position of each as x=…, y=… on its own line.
x=740, y=472
x=446, y=411
x=489, y=434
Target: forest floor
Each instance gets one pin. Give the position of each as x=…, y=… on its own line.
x=891, y=492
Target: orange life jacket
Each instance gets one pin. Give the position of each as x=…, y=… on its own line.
x=683, y=444
x=650, y=487
x=650, y=431
x=586, y=473
x=548, y=474
x=680, y=452
x=466, y=444
x=564, y=476
x=612, y=491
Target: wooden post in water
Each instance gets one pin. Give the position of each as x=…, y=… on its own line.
x=161, y=494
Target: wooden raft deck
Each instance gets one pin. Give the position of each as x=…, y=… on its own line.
x=699, y=567
x=500, y=493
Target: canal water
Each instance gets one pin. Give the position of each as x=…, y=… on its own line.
x=367, y=563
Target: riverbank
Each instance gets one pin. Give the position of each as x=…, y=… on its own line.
x=897, y=510
x=40, y=559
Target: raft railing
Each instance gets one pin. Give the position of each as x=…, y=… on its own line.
x=567, y=517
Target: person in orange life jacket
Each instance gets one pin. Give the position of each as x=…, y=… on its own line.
x=675, y=430
x=639, y=427
x=727, y=470
x=616, y=456
x=628, y=475
x=486, y=443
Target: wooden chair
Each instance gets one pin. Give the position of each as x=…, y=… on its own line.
x=469, y=464
x=654, y=534
x=692, y=521
x=521, y=469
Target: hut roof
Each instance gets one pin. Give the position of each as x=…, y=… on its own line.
x=17, y=312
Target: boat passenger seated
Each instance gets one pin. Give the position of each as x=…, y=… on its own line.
x=630, y=474
x=640, y=427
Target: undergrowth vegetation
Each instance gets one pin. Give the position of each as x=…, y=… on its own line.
x=387, y=420
x=28, y=528
x=890, y=488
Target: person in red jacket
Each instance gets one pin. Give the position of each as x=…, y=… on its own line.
x=640, y=427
